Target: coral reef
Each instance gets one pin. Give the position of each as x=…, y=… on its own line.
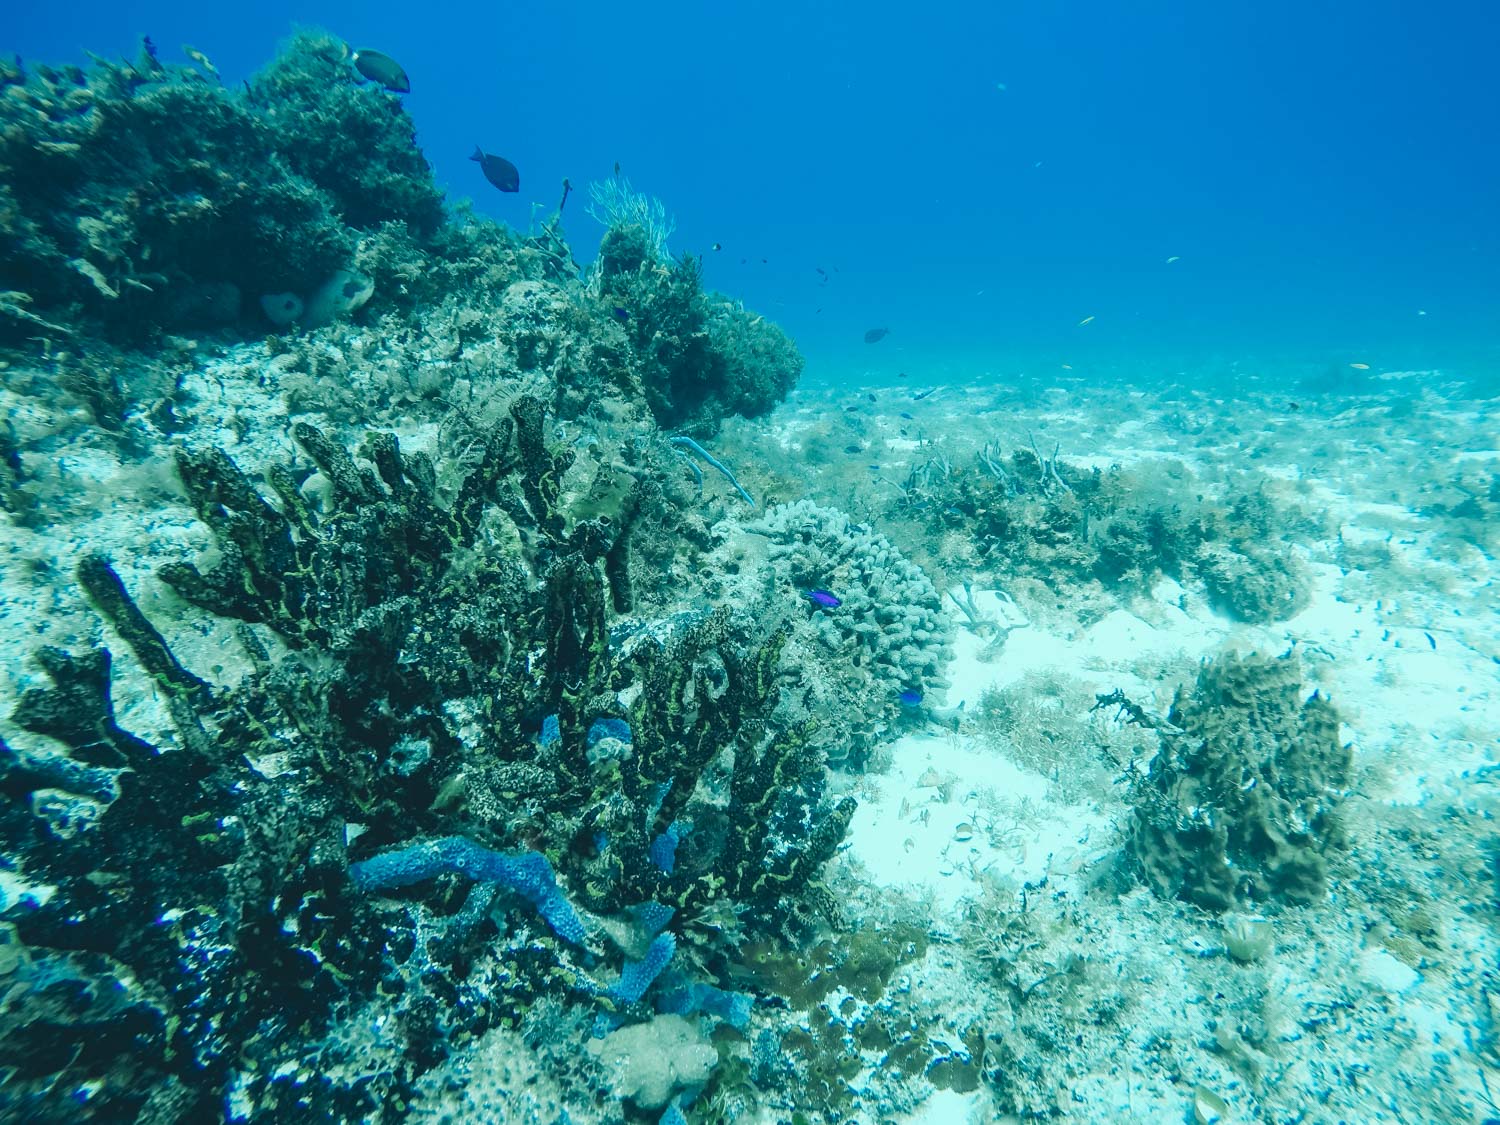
x=700, y=356
x=1240, y=808
x=397, y=657
x=887, y=636
x=145, y=195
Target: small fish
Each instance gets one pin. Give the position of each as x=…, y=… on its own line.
x=623, y=314
x=854, y=449
x=920, y=395
x=617, y=167
x=1084, y=321
x=870, y=397
x=498, y=170
x=1360, y=366
x=909, y=698
x=1174, y=258
x=901, y=374
x=905, y=415
x=825, y=599
x=1431, y=640
x=382, y=69
x=875, y=335
x=717, y=246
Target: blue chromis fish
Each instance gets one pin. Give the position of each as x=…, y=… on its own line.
x=825, y=599
x=623, y=314
x=909, y=698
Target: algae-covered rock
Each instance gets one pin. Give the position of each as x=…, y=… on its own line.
x=1253, y=584
x=700, y=357
x=140, y=195
x=1241, y=804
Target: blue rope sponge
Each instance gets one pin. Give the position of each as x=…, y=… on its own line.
x=528, y=874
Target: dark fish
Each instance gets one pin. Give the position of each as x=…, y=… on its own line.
x=825, y=599
x=909, y=698
x=853, y=448
x=383, y=69
x=901, y=374
x=905, y=415
x=870, y=397
x=920, y=395
x=1431, y=641
x=623, y=314
x=617, y=167
x=498, y=170
x=875, y=335
x=717, y=246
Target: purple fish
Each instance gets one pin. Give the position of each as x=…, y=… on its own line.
x=825, y=599
x=909, y=698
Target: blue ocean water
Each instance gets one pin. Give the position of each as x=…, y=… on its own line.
x=1278, y=183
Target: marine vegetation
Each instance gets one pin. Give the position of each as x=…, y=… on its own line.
x=1024, y=513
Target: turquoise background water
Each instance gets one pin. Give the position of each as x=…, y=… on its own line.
x=1325, y=173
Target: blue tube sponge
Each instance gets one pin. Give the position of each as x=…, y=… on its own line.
x=637, y=976
x=662, y=851
x=528, y=874
x=732, y=1007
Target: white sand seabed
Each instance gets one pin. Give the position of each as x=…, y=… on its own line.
x=906, y=832
x=1415, y=679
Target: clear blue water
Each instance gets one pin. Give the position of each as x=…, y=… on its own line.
x=1325, y=174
